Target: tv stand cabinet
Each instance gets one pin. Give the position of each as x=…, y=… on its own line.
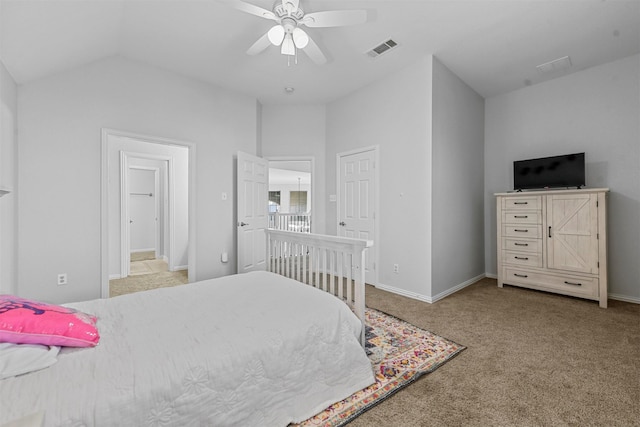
x=554, y=241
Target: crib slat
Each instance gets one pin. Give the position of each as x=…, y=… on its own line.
x=349, y=282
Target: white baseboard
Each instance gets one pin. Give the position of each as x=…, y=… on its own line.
x=165, y=258
x=404, y=293
x=491, y=275
x=180, y=267
x=458, y=287
x=624, y=298
x=426, y=298
x=114, y=276
x=135, y=251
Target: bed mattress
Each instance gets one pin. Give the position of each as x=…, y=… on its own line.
x=253, y=349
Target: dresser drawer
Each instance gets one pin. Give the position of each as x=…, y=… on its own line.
x=522, y=203
x=568, y=285
x=522, y=259
x=523, y=245
x=521, y=217
x=528, y=231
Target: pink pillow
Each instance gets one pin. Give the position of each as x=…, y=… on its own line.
x=23, y=321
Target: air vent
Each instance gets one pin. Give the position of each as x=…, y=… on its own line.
x=382, y=48
x=555, y=65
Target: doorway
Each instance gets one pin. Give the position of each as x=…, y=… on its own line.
x=152, y=177
x=291, y=194
x=258, y=207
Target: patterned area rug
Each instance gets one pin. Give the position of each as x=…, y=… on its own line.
x=400, y=353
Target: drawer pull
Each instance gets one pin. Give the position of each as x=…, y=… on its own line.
x=574, y=284
x=524, y=258
x=521, y=231
x=520, y=275
x=549, y=231
x=520, y=203
x=521, y=244
x=521, y=216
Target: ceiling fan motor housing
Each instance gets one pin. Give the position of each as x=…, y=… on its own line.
x=281, y=11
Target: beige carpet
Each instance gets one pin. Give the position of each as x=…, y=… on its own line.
x=532, y=359
x=138, y=268
x=142, y=256
x=146, y=275
x=146, y=282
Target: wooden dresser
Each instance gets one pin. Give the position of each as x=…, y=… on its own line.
x=555, y=241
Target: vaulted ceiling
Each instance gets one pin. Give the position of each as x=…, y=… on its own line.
x=494, y=46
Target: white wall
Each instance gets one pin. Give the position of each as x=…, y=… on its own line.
x=395, y=115
x=457, y=244
x=299, y=131
x=8, y=204
x=597, y=111
x=60, y=124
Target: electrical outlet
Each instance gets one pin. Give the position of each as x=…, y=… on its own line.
x=396, y=268
x=62, y=279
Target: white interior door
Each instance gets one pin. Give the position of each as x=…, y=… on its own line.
x=357, y=202
x=143, y=210
x=252, y=205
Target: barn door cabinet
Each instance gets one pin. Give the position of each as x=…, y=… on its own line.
x=554, y=241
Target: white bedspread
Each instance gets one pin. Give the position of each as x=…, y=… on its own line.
x=254, y=349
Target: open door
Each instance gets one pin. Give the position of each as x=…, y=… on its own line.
x=252, y=208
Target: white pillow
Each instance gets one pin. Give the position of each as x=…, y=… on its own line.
x=18, y=359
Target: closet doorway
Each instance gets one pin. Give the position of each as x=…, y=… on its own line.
x=147, y=212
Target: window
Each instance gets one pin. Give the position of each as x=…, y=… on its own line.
x=274, y=201
x=298, y=201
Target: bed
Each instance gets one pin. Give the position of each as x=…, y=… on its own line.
x=254, y=349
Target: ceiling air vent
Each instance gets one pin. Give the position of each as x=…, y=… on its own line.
x=382, y=48
x=555, y=65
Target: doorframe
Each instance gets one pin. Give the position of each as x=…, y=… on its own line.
x=312, y=160
x=376, y=204
x=106, y=134
x=125, y=225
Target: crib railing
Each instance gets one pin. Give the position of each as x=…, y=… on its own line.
x=330, y=263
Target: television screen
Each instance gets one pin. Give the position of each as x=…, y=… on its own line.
x=549, y=172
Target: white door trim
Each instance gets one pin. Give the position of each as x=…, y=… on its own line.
x=106, y=133
x=311, y=159
x=376, y=176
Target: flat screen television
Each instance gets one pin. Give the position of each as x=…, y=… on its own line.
x=549, y=172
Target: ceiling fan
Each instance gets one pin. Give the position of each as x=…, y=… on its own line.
x=289, y=17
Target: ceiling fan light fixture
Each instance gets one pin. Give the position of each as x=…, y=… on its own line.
x=288, y=47
x=300, y=38
x=276, y=35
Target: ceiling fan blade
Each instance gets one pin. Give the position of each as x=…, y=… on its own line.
x=335, y=18
x=261, y=44
x=313, y=51
x=253, y=9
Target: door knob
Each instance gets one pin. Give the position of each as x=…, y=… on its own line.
x=342, y=223
x=242, y=224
